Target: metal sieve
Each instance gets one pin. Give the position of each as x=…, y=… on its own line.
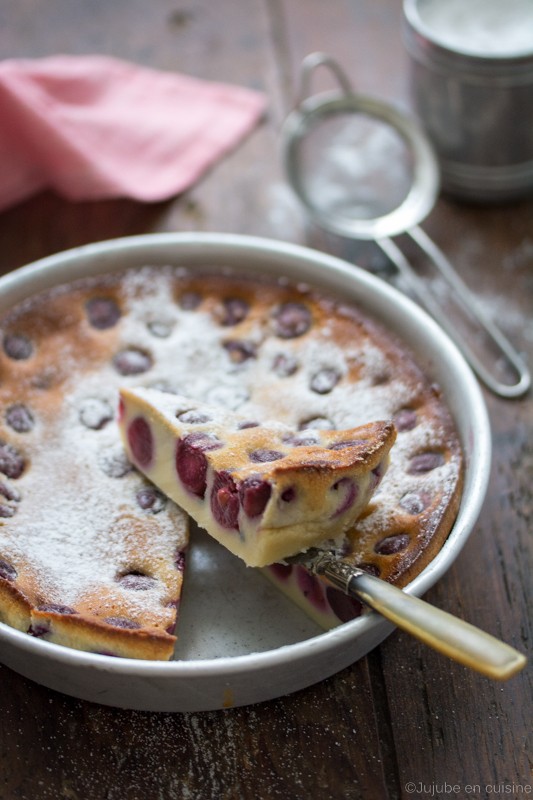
x=334, y=146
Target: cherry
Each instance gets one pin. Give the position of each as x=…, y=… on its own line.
x=45, y=378
x=11, y=461
x=95, y=413
x=161, y=330
x=9, y=493
x=19, y=418
x=291, y=320
x=137, y=581
x=114, y=463
x=17, y=346
x=288, y=495
x=324, y=381
x=254, y=494
x=240, y=351
x=371, y=569
x=12, y=496
x=381, y=378
x=425, y=462
x=377, y=475
x=55, y=608
x=132, y=361
x=351, y=489
x=150, y=499
x=378, y=471
x=7, y=570
x=304, y=440
x=191, y=463
x=281, y=571
x=7, y=511
x=38, y=631
x=263, y=455
x=225, y=500
x=311, y=588
x=405, y=419
x=102, y=312
x=192, y=417
x=141, y=441
x=345, y=608
x=122, y=622
x=284, y=365
x=179, y=560
x=415, y=502
x=392, y=544
x=235, y=310
x=344, y=445
x=189, y=301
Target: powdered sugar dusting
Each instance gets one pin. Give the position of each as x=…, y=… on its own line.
x=79, y=523
x=75, y=523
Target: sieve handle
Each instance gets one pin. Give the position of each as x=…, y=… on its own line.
x=464, y=297
x=309, y=65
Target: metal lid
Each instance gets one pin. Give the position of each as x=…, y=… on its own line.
x=426, y=44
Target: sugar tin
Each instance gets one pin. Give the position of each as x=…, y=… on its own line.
x=471, y=77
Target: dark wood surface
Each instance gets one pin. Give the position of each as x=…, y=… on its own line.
x=403, y=722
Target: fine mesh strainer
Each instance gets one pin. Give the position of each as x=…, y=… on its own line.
x=366, y=171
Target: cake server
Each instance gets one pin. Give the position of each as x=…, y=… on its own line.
x=449, y=635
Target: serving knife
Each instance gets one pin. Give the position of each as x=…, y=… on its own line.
x=449, y=635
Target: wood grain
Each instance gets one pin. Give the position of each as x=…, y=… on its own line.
x=403, y=714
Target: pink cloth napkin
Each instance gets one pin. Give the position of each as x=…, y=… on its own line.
x=94, y=127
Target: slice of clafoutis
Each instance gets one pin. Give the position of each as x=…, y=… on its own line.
x=264, y=491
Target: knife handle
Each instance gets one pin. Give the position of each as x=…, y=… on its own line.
x=455, y=638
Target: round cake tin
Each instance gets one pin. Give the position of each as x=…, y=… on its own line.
x=246, y=647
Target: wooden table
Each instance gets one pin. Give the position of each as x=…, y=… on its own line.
x=403, y=722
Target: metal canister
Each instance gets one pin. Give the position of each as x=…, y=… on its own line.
x=471, y=77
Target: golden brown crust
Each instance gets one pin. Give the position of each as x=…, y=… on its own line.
x=267, y=350
x=263, y=490
x=15, y=610
x=97, y=636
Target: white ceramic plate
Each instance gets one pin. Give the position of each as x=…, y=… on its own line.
x=243, y=642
